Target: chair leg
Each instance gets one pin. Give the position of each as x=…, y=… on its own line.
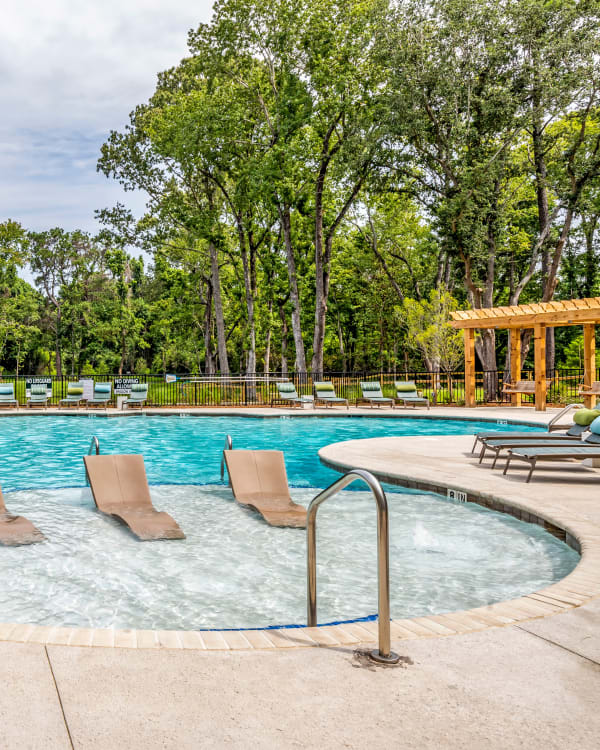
x=533, y=460
x=507, y=464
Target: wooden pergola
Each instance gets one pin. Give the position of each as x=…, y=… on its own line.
x=539, y=316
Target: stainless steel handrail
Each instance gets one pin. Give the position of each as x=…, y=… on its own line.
x=565, y=410
x=384, y=654
x=228, y=446
x=94, y=446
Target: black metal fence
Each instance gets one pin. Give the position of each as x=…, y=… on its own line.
x=202, y=390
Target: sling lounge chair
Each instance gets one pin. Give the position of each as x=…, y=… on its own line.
x=137, y=397
x=287, y=395
x=16, y=530
x=120, y=489
x=554, y=425
x=497, y=445
x=325, y=394
x=259, y=481
x=102, y=395
x=589, y=448
x=74, y=395
x=371, y=394
x=406, y=392
x=39, y=395
x=7, y=395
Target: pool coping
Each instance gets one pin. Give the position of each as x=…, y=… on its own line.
x=580, y=586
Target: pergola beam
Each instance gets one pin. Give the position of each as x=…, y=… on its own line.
x=515, y=363
x=589, y=361
x=539, y=333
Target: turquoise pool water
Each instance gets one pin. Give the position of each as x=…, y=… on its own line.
x=39, y=452
x=233, y=570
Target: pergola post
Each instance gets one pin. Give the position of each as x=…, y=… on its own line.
x=589, y=361
x=539, y=332
x=469, y=367
x=515, y=363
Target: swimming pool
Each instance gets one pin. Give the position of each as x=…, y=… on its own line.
x=233, y=570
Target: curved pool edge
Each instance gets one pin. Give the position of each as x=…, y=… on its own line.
x=580, y=586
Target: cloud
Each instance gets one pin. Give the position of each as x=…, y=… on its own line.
x=71, y=71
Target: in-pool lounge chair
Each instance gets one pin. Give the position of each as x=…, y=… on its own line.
x=588, y=448
x=7, y=395
x=325, y=395
x=102, y=395
x=259, y=481
x=286, y=394
x=371, y=394
x=74, y=395
x=39, y=395
x=16, y=530
x=554, y=425
x=120, y=488
x=406, y=392
x=137, y=397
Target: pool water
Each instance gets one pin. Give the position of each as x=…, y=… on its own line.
x=233, y=570
x=40, y=452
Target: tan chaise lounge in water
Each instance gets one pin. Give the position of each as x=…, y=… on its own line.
x=16, y=530
x=120, y=488
x=259, y=481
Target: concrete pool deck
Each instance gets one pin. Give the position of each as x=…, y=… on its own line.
x=517, y=674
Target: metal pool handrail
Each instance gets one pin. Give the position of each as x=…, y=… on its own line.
x=94, y=446
x=228, y=446
x=384, y=654
x=561, y=414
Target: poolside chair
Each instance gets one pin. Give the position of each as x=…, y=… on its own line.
x=102, y=395
x=259, y=481
x=74, y=395
x=553, y=425
x=371, y=394
x=498, y=444
x=7, y=395
x=120, y=488
x=39, y=395
x=406, y=391
x=286, y=394
x=588, y=448
x=137, y=397
x=325, y=394
x=16, y=530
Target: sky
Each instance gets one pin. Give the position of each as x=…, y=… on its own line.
x=70, y=72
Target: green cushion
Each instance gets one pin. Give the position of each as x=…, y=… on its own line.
x=38, y=390
x=324, y=387
x=286, y=387
x=406, y=387
x=6, y=390
x=75, y=390
x=585, y=417
x=371, y=386
x=102, y=388
x=139, y=387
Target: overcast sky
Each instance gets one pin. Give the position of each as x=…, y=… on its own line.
x=71, y=71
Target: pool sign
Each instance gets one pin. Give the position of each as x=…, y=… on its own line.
x=457, y=495
x=43, y=380
x=122, y=386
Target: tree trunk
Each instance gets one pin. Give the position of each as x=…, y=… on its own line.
x=267, y=360
x=209, y=365
x=57, y=353
x=251, y=338
x=284, y=217
x=219, y=319
x=341, y=341
x=284, y=340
